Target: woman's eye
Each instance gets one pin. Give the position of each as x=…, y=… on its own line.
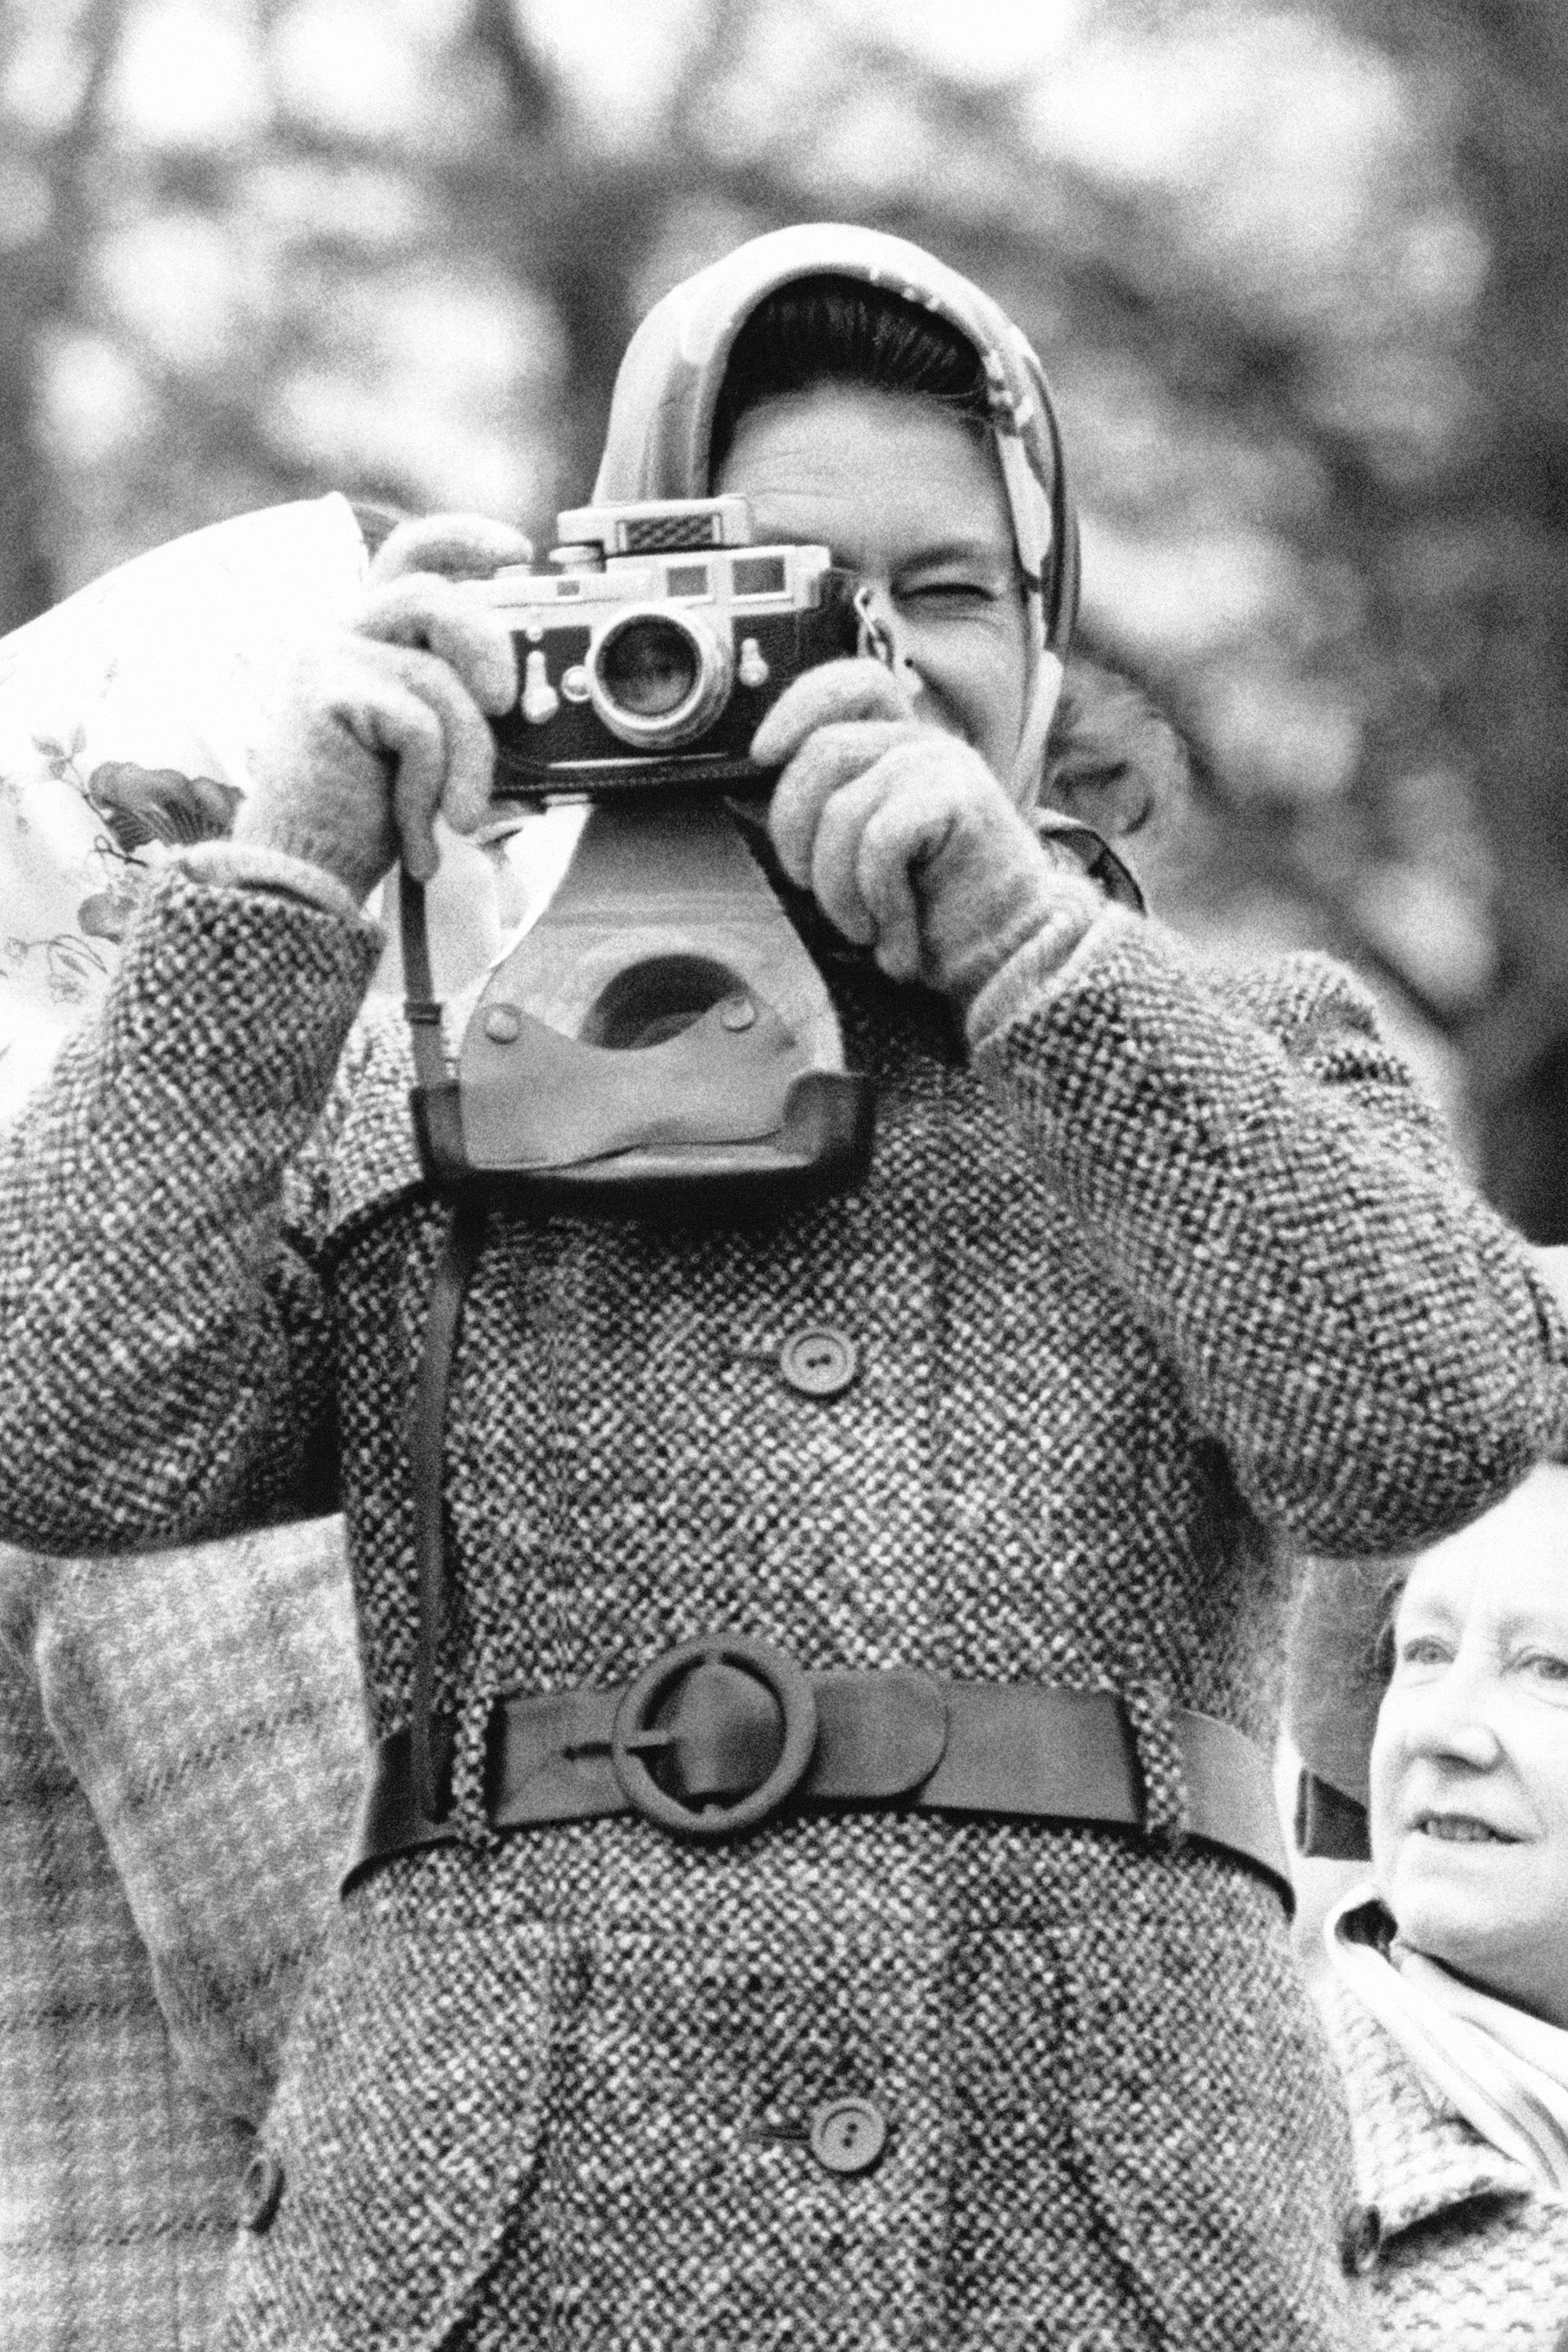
x=948, y=592
x=1420, y=1650
x=1546, y=1666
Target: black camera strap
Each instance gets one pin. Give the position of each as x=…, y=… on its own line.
x=421, y=1008
x=459, y=1254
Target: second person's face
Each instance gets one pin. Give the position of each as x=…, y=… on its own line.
x=910, y=497
x=1469, y=1764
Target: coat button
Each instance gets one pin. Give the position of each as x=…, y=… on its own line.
x=1361, y=2242
x=260, y=2187
x=848, y=2135
x=820, y=1362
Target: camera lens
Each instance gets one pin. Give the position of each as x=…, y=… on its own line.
x=650, y=668
x=655, y=677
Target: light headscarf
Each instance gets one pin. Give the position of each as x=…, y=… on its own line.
x=661, y=420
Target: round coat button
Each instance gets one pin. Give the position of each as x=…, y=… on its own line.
x=260, y=2187
x=848, y=2135
x=820, y=1362
x=502, y=1025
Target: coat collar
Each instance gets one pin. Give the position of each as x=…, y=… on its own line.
x=1414, y=2155
x=375, y=1158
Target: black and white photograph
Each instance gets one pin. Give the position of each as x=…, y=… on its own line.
x=784, y=1176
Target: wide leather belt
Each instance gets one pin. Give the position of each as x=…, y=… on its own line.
x=726, y=1732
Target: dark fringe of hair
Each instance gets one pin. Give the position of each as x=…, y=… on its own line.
x=833, y=330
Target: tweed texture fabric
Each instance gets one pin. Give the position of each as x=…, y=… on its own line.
x=183, y=1749
x=1176, y=1269
x=117, y=2174
x=1465, y=2254
x=210, y=1704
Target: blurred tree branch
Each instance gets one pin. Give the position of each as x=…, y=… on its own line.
x=38, y=275
x=1498, y=613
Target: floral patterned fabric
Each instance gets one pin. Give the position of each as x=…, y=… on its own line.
x=126, y=715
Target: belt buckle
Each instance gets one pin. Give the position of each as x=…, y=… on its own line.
x=636, y=1735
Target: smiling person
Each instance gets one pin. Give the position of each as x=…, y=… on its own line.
x=974, y=1487
x=1448, y=1997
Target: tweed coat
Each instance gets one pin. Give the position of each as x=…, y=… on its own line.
x=1458, y=2249
x=1168, y=1268
x=117, y=2173
x=181, y=1750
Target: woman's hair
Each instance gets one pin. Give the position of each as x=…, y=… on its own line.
x=1112, y=759
x=1388, y=1602
x=830, y=329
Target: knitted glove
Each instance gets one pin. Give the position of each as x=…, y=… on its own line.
x=907, y=840
x=382, y=725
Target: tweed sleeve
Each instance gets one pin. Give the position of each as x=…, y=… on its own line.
x=164, y=1356
x=1254, y=1168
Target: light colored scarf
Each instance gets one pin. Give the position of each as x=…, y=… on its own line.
x=1504, y=2071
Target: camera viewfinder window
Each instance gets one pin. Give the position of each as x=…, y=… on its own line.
x=758, y=575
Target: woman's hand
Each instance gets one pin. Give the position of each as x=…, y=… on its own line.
x=905, y=838
x=382, y=725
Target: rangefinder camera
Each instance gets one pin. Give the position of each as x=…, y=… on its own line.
x=651, y=650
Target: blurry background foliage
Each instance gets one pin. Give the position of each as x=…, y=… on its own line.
x=1297, y=272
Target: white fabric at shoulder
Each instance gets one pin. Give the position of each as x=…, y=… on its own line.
x=127, y=717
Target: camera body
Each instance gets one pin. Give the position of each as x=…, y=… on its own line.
x=656, y=1040
x=650, y=651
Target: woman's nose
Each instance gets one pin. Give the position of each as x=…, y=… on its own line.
x=1455, y=1719
x=886, y=636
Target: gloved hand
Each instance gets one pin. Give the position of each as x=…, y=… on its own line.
x=905, y=838
x=382, y=725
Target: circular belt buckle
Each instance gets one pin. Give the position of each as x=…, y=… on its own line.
x=776, y=1672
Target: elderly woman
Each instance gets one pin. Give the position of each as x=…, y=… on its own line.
x=1447, y=1996
x=929, y=1534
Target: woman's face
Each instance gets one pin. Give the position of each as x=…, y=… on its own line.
x=908, y=497
x=1469, y=1765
